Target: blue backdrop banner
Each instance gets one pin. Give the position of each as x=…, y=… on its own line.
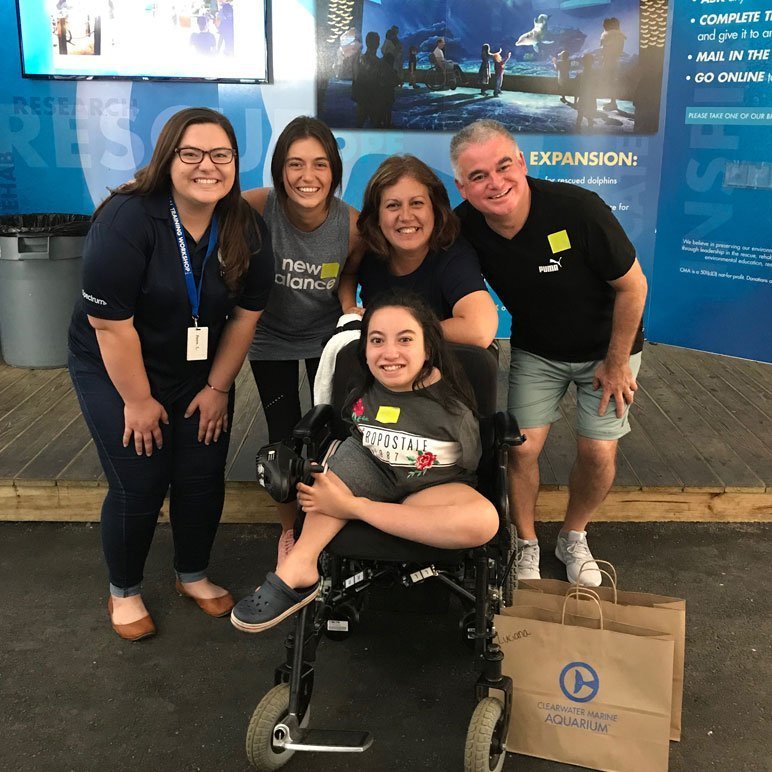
x=711, y=286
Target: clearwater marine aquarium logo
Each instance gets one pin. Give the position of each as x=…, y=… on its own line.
x=579, y=682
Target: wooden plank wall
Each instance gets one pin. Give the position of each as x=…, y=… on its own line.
x=700, y=446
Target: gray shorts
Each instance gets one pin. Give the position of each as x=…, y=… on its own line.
x=368, y=477
x=537, y=385
x=363, y=474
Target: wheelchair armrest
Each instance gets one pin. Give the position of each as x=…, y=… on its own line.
x=313, y=423
x=506, y=430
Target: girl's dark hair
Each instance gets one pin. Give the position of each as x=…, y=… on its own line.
x=304, y=127
x=235, y=217
x=390, y=172
x=453, y=389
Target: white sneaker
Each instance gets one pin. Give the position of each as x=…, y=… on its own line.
x=572, y=550
x=528, y=559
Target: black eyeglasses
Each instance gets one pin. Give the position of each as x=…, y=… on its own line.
x=194, y=155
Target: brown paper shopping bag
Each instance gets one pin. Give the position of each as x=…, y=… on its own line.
x=656, y=612
x=599, y=697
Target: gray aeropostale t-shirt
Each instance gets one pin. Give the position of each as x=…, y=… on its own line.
x=303, y=307
x=418, y=441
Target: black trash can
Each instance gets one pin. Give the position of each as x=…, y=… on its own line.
x=40, y=265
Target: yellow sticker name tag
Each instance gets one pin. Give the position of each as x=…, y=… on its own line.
x=559, y=242
x=329, y=270
x=387, y=415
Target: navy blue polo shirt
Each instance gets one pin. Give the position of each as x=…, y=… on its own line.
x=132, y=268
x=442, y=279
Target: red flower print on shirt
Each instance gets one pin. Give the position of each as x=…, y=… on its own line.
x=423, y=463
x=425, y=460
x=358, y=411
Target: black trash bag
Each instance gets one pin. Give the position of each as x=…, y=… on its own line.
x=49, y=224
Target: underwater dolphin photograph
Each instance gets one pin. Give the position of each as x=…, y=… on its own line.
x=539, y=66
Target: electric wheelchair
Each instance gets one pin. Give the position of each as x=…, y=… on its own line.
x=361, y=557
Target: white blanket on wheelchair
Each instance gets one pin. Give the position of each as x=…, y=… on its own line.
x=323, y=380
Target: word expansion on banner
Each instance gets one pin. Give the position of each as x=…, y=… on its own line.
x=581, y=158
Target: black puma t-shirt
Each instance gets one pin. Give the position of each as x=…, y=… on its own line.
x=553, y=275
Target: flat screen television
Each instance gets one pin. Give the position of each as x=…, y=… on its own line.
x=200, y=40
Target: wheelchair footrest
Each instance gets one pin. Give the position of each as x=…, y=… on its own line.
x=332, y=741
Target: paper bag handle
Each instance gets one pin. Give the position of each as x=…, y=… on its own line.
x=611, y=573
x=582, y=592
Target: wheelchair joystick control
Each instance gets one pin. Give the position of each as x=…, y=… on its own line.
x=279, y=469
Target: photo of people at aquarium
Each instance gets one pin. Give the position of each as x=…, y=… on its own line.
x=541, y=66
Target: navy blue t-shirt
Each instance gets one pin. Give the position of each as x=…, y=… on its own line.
x=442, y=279
x=132, y=268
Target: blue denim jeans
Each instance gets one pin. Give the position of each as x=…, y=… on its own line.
x=192, y=472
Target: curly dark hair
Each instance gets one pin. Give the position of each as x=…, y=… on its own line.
x=446, y=225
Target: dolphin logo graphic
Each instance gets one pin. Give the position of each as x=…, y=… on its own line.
x=585, y=683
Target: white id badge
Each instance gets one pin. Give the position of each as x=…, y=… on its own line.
x=198, y=343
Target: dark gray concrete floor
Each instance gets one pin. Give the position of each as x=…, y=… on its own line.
x=75, y=697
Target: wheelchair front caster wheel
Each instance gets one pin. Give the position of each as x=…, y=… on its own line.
x=484, y=749
x=262, y=753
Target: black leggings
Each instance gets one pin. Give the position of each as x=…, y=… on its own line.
x=278, y=383
x=192, y=471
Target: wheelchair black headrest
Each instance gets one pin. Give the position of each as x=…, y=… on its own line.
x=479, y=365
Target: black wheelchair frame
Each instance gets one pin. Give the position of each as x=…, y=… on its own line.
x=360, y=557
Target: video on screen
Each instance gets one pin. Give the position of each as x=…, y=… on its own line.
x=190, y=39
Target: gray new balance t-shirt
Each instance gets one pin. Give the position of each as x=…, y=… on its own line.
x=303, y=307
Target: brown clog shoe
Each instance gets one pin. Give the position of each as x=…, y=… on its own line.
x=215, y=607
x=133, y=631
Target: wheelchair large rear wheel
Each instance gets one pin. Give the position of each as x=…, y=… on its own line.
x=483, y=751
x=271, y=710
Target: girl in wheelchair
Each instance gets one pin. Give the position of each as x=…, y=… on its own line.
x=408, y=467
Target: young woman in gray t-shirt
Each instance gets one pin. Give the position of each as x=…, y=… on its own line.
x=313, y=235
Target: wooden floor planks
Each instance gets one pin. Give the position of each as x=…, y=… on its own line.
x=702, y=425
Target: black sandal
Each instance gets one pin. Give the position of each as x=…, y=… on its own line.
x=270, y=604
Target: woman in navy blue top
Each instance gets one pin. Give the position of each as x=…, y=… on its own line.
x=412, y=240
x=177, y=270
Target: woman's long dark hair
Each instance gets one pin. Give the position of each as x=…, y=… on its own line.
x=305, y=127
x=453, y=389
x=235, y=216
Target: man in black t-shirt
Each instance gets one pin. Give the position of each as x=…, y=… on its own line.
x=564, y=268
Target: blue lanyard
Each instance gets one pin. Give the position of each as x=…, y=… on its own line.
x=194, y=293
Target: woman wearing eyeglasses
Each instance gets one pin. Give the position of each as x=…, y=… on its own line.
x=314, y=236
x=177, y=269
